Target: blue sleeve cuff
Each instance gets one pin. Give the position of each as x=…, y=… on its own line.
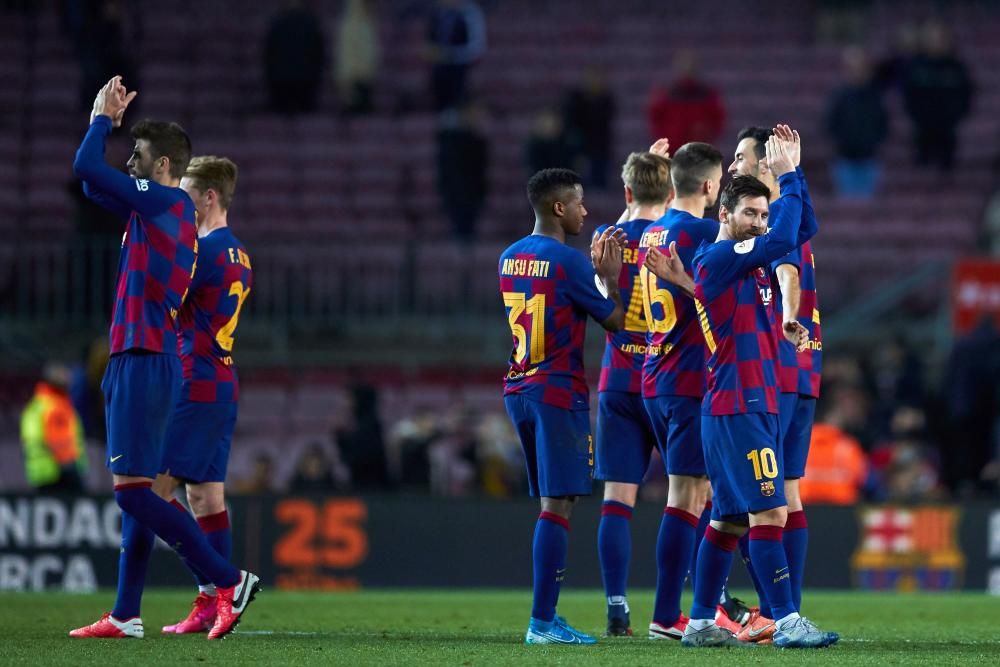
x=102, y=120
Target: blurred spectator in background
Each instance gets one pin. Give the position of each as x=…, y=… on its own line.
x=97, y=363
x=689, y=109
x=499, y=456
x=837, y=468
x=891, y=70
x=357, y=57
x=589, y=112
x=906, y=472
x=844, y=395
x=261, y=479
x=463, y=155
x=55, y=459
x=456, y=39
x=971, y=396
x=103, y=33
x=453, y=456
x=409, y=442
x=547, y=146
x=293, y=59
x=359, y=439
x=842, y=21
x=937, y=92
x=313, y=472
x=858, y=124
x=96, y=244
x=989, y=233
x=895, y=375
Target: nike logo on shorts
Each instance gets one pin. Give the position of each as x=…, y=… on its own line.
x=115, y=458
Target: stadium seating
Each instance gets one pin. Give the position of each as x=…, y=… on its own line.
x=322, y=179
x=348, y=207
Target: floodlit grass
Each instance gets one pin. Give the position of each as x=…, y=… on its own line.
x=483, y=627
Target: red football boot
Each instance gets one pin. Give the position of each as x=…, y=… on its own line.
x=233, y=602
x=110, y=627
x=201, y=618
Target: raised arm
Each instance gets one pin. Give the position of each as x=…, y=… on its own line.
x=793, y=142
x=103, y=199
x=103, y=181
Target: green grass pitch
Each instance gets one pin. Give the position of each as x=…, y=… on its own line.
x=484, y=627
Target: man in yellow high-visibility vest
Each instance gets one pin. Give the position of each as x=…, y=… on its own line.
x=55, y=459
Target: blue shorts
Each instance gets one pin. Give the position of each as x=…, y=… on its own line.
x=797, y=414
x=140, y=388
x=677, y=424
x=558, y=447
x=196, y=447
x=744, y=460
x=625, y=437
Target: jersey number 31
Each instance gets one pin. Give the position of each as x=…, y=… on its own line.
x=535, y=306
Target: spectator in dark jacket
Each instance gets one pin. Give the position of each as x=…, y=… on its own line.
x=971, y=399
x=462, y=164
x=103, y=32
x=858, y=125
x=547, y=146
x=360, y=440
x=293, y=59
x=456, y=39
x=588, y=115
x=937, y=92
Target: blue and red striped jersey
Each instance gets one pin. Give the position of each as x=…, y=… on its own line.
x=733, y=298
x=158, y=250
x=788, y=363
x=548, y=290
x=625, y=350
x=675, y=350
x=810, y=360
x=209, y=318
x=800, y=371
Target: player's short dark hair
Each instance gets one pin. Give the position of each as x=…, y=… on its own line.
x=740, y=187
x=166, y=140
x=758, y=134
x=648, y=176
x=547, y=185
x=692, y=165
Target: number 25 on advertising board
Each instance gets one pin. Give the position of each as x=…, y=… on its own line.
x=328, y=534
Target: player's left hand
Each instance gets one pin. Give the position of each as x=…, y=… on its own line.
x=792, y=141
x=618, y=236
x=661, y=147
x=599, y=244
x=606, y=253
x=796, y=334
x=778, y=160
x=112, y=100
x=666, y=265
